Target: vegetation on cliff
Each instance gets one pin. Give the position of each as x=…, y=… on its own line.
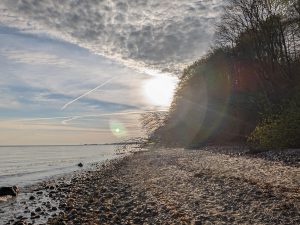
x=246, y=87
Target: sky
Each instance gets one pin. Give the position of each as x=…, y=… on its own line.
x=78, y=72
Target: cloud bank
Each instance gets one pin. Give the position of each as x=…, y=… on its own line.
x=146, y=33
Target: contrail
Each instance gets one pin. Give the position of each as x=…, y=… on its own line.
x=87, y=93
x=64, y=122
x=66, y=119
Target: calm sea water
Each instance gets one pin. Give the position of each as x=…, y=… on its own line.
x=25, y=165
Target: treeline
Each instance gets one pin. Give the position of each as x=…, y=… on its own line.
x=246, y=88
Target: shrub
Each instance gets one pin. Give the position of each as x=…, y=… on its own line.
x=278, y=131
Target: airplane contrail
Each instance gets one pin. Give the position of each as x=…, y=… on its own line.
x=87, y=93
x=64, y=122
x=66, y=119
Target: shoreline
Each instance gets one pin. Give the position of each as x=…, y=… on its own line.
x=37, y=203
x=213, y=185
x=26, y=166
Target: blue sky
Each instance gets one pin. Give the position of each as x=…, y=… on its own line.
x=39, y=75
x=55, y=89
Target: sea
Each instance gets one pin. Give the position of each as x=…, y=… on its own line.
x=27, y=165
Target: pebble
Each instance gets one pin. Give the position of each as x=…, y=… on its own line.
x=38, y=209
x=173, y=186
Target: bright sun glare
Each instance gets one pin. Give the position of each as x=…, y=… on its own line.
x=159, y=90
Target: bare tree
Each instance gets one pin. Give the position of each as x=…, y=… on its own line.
x=151, y=121
x=264, y=32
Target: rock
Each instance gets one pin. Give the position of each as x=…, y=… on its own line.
x=50, y=186
x=137, y=220
x=108, y=195
x=62, y=205
x=80, y=164
x=202, y=218
x=13, y=191
x=197, y=222
x=38, y=209
x=62, y=214
x=54, y=208
x=52, y=194
x=31, y=197
x=20, y=223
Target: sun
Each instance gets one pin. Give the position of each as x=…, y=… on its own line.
x=159, y=90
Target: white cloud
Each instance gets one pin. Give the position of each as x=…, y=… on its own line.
x=35, y=58
x=154, y=33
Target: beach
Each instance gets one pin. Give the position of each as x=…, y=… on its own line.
x=212, y=185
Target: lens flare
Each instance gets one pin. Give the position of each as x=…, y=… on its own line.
x=117, y=128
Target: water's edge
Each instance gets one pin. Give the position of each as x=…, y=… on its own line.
x=39, y=196
x=23, y=166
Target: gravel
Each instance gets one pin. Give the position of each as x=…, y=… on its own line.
x=213, y=185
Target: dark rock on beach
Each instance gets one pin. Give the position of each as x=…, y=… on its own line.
x=38, y=209
x=20, y=223
x=13, y=191
x=80, y=164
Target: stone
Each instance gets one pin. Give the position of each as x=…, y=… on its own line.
x=13, y=191
x=80, y=164
x=197, y=222
x=21, y=222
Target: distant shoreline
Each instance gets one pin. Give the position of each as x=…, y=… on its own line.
x=117, y=143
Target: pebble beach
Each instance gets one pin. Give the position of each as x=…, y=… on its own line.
x=212, y=185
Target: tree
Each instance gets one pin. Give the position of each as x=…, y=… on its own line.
x=262, y=31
